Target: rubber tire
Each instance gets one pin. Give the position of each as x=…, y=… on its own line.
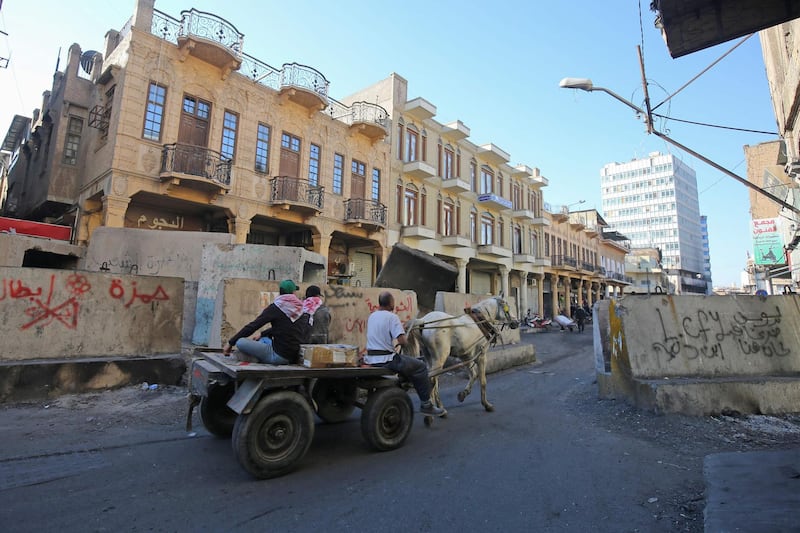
x=387, y=418
x=335, y=399
x=270, y=440
x=217, y=417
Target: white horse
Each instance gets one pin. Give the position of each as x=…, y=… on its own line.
x=468, y=337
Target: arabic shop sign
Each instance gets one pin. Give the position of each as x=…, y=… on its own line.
x=767, y=241
x=160, y=219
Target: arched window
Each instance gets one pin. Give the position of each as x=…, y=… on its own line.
x=516, y=239
x=411, y=144
x=486, y=185
x=487, y=229
x=473, y=224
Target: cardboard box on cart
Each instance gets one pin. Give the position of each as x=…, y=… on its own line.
x=327, y=355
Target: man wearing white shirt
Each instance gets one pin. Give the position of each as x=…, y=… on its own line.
x=385, y=334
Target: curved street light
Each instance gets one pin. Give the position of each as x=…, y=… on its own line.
x=585, y=84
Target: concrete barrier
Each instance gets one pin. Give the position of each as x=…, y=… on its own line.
x=700, y=355
x=155, y=253
x=243, y=299
x=249, y=261
x=454, y=303
x=56, y=314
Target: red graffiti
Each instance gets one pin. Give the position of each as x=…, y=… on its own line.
x=77, y=284
x=66, y=313
x=352, y=324
x=117, y=291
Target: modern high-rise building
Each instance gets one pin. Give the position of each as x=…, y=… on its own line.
x=706, y=253
x=653, y=201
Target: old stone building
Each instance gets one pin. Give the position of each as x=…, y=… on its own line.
x=173, y=126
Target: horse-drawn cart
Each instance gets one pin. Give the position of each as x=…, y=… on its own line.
x=269, y=410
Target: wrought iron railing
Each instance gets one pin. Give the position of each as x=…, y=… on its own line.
x=303, y=77
x=589, y=267
x=165, y=26
x=212, y=28
x=196, y=161
x=364, y=209
x=359, y=112
x=296, y=190
x=260, y=72
x=600, y=270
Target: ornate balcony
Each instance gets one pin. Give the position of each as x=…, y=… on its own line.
x=211, y=39
x=564, y=261
x=418, y=232
x=365, y=213
x=586, y=266
x=370, y=120
x=593, y=230
x=304, y=86
x=542, y=262
x=296, y=194
x=195, y=167
x=522, y=214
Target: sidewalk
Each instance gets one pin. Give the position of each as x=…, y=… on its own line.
x=753, y=491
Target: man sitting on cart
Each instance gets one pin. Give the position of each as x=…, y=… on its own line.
x=384, y=329
x=280, y=344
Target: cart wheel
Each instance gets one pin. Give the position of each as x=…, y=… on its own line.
x=386, y=418
x=335, y=399
x=270, y=440
x=217, y=417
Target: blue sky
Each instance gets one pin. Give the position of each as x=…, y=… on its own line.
x=494, y=66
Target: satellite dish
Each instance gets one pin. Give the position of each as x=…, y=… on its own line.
x=87, y=60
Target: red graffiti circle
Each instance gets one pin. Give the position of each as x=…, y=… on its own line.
x=77, y=284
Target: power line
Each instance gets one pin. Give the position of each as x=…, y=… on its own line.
x=714, y=125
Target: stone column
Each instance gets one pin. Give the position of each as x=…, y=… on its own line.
x=461, y=284
x=504, y=281
x=567, y=295
x=241, y=228
x=540, y=294
x=523, y=293
x=322, y=243
x=114, y=208
x=554, y=293
x=580, y=292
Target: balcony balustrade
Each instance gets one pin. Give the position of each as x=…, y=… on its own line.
x=304, y=86
x=195, y=166
x=370, y=120
x=296, y=194
x=366, y=213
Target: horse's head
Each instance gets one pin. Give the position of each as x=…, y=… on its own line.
x=496, y=309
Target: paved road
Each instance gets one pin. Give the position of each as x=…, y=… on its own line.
x=548, y=459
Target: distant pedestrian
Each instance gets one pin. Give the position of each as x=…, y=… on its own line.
x=580, y=318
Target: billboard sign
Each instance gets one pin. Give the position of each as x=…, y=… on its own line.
x=767, y=241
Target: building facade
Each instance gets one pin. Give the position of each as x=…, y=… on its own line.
x=175, y=127
x=780, y=46
x=654, y=202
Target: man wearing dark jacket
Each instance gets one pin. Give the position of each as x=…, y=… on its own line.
x=280, y=344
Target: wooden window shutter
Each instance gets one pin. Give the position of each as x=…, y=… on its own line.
x=399, y=204
x=439, y=217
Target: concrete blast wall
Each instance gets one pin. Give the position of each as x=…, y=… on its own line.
x=242, y=300
x=49, y=314
x=154, y=253
x=13, y=248
x=454, y=303
x=253, y=262
x=700, y=355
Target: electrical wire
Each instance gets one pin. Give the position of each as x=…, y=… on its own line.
x=714, y=125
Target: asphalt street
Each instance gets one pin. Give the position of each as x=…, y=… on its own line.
x=552, y=457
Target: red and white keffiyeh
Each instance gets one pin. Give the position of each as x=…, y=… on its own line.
x=310, y=306
x=291, y=306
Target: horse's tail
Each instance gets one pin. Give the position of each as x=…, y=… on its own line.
x=413, y=337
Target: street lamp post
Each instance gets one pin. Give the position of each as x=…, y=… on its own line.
x=585, y=84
